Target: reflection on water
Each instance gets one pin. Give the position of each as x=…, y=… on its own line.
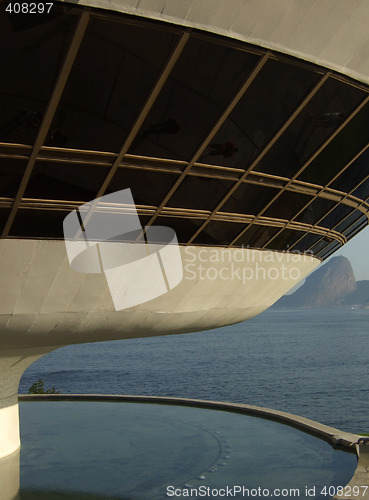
x=106, y=451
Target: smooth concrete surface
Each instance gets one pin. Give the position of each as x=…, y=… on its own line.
x=330, y=33
x=12, y=365
x=43, y=302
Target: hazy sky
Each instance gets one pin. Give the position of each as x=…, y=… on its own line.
x=357, y=251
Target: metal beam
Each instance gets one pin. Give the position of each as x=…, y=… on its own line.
x=49, y=114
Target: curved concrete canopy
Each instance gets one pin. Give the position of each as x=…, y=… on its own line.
x=332, y=33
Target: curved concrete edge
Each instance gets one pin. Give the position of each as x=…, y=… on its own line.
x=332, y=435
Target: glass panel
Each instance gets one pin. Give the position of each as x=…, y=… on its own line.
x=326, y=252
x=148, y=187
x=315, y=211
x=334, y=217
x=306, y=242
x=356, y=227
x=35, y=48
x=257, y=236
x=65, y=181
x=219, y=233
x=317, y=121
x=39, y=223
x=249, y=199
x=11, y=172
x=287, y=205
x=270, y=100
x=184, y=228
x=362, y=191
x=4, y=214
x=203, y=81
x=349, y=220
x=352, y=176
x=321, y=244
x=115, y=69
x=340, y=150
x=202, y=193
x=285, y=239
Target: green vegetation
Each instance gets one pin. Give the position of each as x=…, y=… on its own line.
x=38, y=388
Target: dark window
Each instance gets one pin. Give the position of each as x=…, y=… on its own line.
x=315, y=211
x=356, y=227
x=331, y=248
x=340, y=150
x=219, y=233
x=201, y=193
x=4, y=214
x=349, y=221
x=316, y=122
x=257, y=236
x=184, y=228
x=285, y=239
x=306, y=242
x=353, y=175
x=362, y=191
x=33, y=49
x=322, y=243
x=271, y=99
x=115, y=69
x=65, y=181
x=38, y=223
x=334, y=217
x=249, y=199
x=201, y=84
x=11, y=172
x=287, y=205
x=148, y=187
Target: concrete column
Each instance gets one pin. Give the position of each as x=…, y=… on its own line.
x=13, y=363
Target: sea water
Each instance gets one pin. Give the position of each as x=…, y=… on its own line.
x=314, y=363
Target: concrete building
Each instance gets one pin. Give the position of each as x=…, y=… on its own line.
x=242, y=125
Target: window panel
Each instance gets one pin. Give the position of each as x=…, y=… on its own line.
x=306, y=242
x=352, y=176
x=340, y=150
x=202, y=193
x=148, y=187
x=315, y=211
x=257, y=236
x=356, y=226
x=285, y=239
x=316, y=122
x=249, y=199
x=271, y=99
x=349, y=220
x=219, y=233
x=362, y=191
x=204, y=80
x=4, y=214
x=329, y=250
x=335, y=216
x=184, y=228
x=287, y=205
x=11, y=172
x=38, y=223
x=65, y=181
x=33, y=50
x=115, y=69
x=321, y=244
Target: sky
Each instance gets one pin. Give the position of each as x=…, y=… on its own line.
x=357, y=251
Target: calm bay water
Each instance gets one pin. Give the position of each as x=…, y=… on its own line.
x=314, y=363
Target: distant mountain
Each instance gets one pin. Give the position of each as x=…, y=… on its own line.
x=331, y=285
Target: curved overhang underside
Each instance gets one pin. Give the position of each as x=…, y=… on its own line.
x=331, y=34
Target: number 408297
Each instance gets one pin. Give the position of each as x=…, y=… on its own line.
x=29, y=8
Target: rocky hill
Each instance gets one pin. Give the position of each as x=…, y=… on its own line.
x=331, y=285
